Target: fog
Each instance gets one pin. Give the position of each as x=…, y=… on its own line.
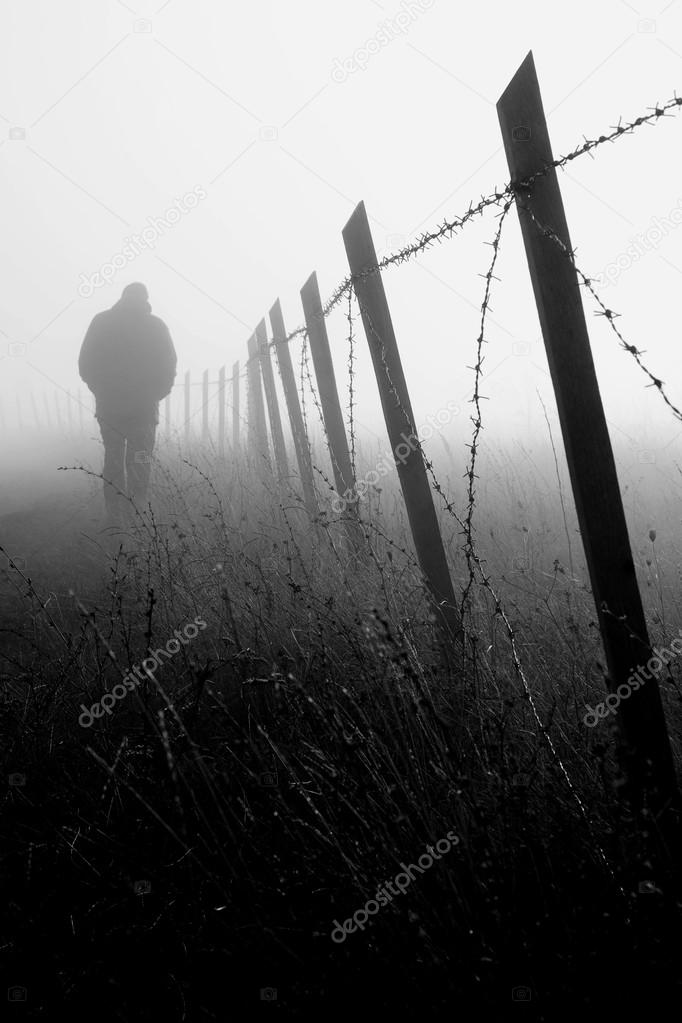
x=278, y=119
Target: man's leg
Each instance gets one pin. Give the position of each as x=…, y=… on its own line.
x=140, y=437
x=114, y=447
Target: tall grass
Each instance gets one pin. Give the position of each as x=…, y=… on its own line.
x=196, y=845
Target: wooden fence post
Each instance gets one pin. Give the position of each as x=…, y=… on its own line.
x=326, y=385
x=187, y=405
x=204, y=407
x=647, y=756
x=271, y=398
x=221, y=412
x=258, y=431
x=400, y=424
x=58, y=412
x=235, y=409
x=36, y=418
x=301, y=445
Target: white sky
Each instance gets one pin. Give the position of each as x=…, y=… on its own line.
x=239, y=99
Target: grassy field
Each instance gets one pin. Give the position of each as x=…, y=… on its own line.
x=188, y=854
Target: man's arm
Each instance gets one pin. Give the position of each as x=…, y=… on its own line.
x=87, y=360
x=168, y=361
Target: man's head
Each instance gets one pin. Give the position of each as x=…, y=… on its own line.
x=135, y=296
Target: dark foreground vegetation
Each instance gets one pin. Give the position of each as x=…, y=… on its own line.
x=185, y=856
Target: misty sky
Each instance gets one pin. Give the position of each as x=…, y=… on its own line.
x=110, y=112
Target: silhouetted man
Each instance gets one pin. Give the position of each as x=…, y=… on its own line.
x=128, y=361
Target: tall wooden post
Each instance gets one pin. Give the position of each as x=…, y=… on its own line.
x=400, y=424
x=301, y=446
x=204, y=407
x=221, y=412
x=167, y=415
x=326, y=385
x=258, y=431
x=235, y=409
x=271, y=398
x=188, y=385
x=591, y=464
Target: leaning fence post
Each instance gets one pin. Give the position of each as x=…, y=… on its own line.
x=400, y=423
x=221, y=412
x=258, y=431
x=235, y=408
x=204, y=407
x=187, y=405
x=69, y=414
x=271, y=398
x=591, y=464
x=286, y=369
x=326, y=384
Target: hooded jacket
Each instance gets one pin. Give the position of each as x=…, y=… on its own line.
x=128, y=361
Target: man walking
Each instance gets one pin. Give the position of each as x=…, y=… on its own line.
x=128, y=361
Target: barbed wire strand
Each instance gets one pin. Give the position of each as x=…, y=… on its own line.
x=610, y=314
x=448, y=227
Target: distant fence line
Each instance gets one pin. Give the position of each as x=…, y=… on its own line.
x=213, y=414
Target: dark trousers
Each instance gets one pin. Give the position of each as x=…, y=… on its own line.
x=128, y=447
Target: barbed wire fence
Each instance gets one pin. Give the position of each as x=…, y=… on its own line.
x=502, y=201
